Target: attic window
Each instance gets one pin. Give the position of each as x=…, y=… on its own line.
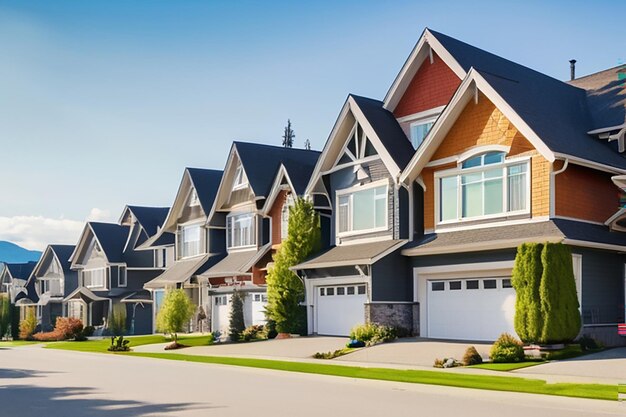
x=418, y=130
x=240, y=180
x=193, y=199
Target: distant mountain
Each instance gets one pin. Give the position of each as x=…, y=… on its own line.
x=12, y=253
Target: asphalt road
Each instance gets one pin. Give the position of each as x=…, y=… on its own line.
x=48, y=383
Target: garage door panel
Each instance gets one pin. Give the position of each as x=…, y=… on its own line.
x=340, y=308
x=471, y=313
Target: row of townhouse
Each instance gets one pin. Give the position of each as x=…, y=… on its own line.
x=423, y=198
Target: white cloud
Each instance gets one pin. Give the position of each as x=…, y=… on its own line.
x=36, y=232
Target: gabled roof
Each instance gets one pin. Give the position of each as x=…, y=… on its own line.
x=558, y=113
x=112, y=238
x=262, y=162
x=62, y=252
x=20, y=270
x=387, y=129
x=206, y=182
x=150, y=218
x=606, y=96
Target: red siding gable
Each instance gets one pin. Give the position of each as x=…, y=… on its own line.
x=432, y=86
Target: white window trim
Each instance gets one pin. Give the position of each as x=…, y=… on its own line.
x=458, y=171
x=352, y=190
x=203, y=246
x=104, y=281
x=422, y=121
x=119, y=276
x=254, y=233
x=434, y=112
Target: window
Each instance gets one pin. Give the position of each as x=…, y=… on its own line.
x=122, y=280
x=341, y=291
x=489, y=284
x=438, y=286
x=472, y=285
x=221, y=300
x=419, y=129
x=190, y=240
x=240, y=230
x=350, y=290
x=284, y=216
x=240, y=180
x=361, y=289
x=455, y=285
x=330, y=291
x=506, y=283
x=94, y=278
x=484, y=185
x=363, y=210
x=322, y=292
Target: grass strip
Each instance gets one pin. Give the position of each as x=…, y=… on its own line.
x=486, y=382
x=101, y=346
x=16, y=343
x=505, y=367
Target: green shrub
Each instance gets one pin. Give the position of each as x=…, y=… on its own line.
x=270, y=329
x=5, y=315
x=526, y=279
x=66, y=328
x=254, y=332
x=472, y=357
x=88, y=331
x=237, y=324
x=28, y=326
x=117, y=320
x=507, y=349
x=373, y=333
x=119, y=344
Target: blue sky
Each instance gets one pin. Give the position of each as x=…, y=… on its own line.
x=103, y=103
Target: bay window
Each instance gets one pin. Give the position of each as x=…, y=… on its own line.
x=240, y=230
x=484, y=186
x=362, y=210
x=190, y=240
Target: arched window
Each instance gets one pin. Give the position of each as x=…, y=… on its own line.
x=484, y=185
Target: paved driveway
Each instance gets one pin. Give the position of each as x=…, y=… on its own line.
x=415, y=352
x=610, y=364
x=296, y=348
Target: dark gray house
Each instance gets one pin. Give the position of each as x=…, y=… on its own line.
x=366, y=215
x=53, y=280
x=112, y=271
x=188, y=247
x=15, y=284
x=250, y=215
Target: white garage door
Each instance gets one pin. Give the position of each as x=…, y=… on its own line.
x=221, y=314
x=471, y=309
x=340, y=308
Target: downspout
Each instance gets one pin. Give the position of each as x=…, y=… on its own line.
x=553, y=175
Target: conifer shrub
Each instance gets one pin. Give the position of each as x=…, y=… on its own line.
x=507, y=349
x=237, y=324
x=472, y=357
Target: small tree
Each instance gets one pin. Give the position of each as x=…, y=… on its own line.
x=559, y=301
x=285, y=290
x=117, y=320
x=5, y=315
x=28, y=326
x=526, y=280
x=237, y=323
x=176, y=311
x=288, y=136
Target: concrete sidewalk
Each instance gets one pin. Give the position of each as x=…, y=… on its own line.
x=409, y=354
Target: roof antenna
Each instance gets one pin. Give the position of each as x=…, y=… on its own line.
x=572, y=69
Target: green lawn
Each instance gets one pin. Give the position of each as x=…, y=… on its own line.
x=488, y=382
x=506, y=366
x=15, y=343
x=102, y=345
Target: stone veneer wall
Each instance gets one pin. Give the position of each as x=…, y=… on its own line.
x=405, y=315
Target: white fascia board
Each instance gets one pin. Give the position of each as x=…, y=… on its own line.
x=327, y=146
x=81, y=242
x=590, y=164
x=595, y=245
x=221, y=188
x=390, y=164
x=275, y=190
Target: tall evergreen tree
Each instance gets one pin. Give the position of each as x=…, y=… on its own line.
x=559, y=300
x=237, y=324
x=285, y=290
x=526, y=280
x=288, y=136
x=307, y=145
